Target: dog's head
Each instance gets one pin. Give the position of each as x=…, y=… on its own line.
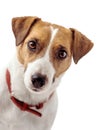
x=46, y=51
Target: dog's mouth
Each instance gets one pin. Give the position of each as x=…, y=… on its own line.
x=36, y=90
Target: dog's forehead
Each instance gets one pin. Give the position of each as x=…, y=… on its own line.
x=44, y=31
x=40, y=29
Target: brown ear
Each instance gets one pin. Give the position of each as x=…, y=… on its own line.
x=21, y=27
x=81, y=45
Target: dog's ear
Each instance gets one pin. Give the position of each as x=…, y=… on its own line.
x=81, y=45
x=21, y=27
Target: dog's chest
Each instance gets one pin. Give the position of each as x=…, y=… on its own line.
x=14, y=119
x=11, y=118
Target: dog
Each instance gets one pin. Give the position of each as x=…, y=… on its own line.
x=44, y=52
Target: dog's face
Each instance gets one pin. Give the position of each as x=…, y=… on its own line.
x=46, y=51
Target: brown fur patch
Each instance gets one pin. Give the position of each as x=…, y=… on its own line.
x=40, y=31
x=81, y=45
x=63, y=39
x=21, y=27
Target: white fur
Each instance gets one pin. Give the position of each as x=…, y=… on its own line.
x=54, y=31
x=11, y=118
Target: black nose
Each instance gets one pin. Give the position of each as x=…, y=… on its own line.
x=38, y=80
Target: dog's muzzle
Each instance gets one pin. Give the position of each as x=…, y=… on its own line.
x=38, y=81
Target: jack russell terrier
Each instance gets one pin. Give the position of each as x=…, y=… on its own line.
x=28, y=99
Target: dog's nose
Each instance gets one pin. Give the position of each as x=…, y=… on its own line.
x=38, y=80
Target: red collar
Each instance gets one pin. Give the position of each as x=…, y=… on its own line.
x=22, y=105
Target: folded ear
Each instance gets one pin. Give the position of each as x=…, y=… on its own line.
x=21, y=27
x=81, y=45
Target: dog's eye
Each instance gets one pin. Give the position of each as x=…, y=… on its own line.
x=32, y=45
x=62, y=54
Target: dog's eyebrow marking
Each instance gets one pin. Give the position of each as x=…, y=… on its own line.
x=53, y=33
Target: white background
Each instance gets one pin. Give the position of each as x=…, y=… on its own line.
x=78, y=91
